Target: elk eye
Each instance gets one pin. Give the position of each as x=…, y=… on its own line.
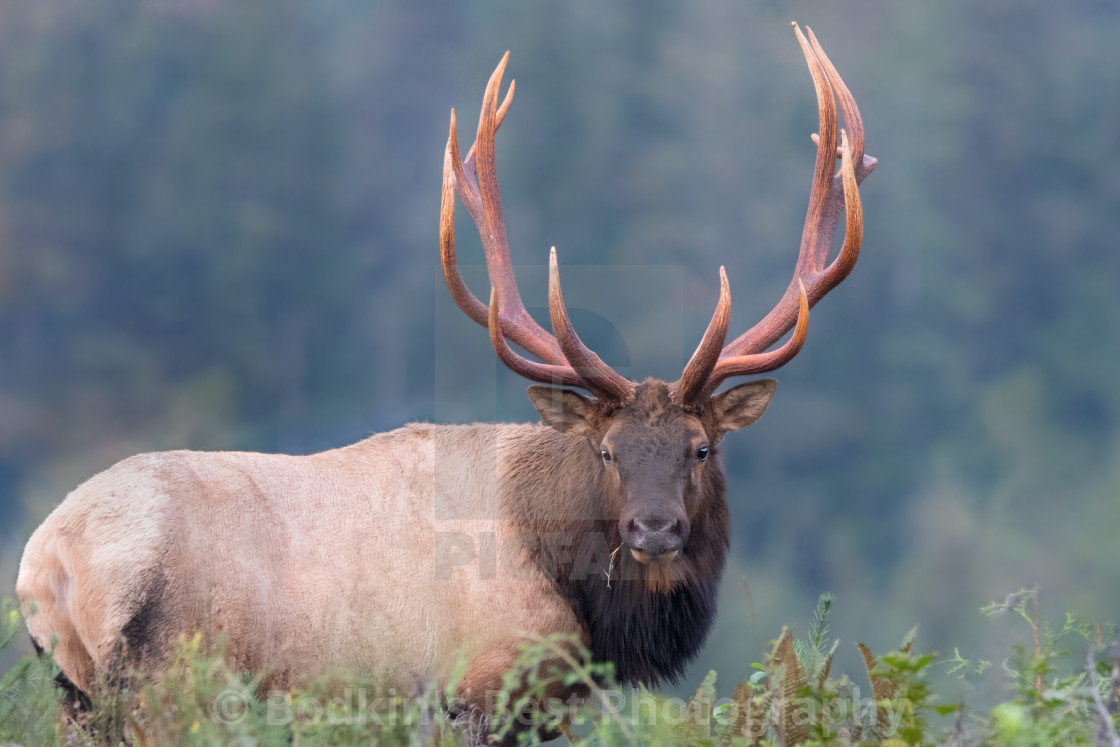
x=607, y=458
x=702, y=453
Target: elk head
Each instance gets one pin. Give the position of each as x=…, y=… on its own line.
x=654, y=440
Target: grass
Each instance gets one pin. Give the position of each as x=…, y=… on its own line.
x=1050, y=696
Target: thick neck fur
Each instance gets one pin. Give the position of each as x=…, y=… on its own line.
x=650, y=622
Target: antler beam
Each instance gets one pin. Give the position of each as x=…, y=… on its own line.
x=475, y=180
x=832, y=195
x=566, y=360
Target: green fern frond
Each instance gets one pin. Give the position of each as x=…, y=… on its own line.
x=820, y=625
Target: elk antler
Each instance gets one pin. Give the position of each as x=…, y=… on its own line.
x=830, y=196
x=566, y=359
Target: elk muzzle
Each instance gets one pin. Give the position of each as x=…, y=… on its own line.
x=654, y=532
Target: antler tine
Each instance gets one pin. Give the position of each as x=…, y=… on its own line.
x=823, y=168
x=756, y=363
x=829, y=198
x=855, y=165
x=692, y=382
x=597, y=375
x=454, y=181
x=469, y=161
x=476, y=183
x=864, y=164
x=532, y=370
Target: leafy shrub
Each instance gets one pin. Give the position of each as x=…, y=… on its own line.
x=793, y=698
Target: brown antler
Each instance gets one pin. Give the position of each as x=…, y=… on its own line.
x=566, y=359
x=832, y=194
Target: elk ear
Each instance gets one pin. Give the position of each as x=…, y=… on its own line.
x=740, y=406
x=565, y=410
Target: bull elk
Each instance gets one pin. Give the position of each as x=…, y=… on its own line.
x=341, y=560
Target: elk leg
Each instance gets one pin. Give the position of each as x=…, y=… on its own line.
x=485, y=701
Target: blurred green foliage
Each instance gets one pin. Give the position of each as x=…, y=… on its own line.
x=218, y=230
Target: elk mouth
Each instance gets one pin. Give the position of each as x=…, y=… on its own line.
x=648, y=557
x=657, y=539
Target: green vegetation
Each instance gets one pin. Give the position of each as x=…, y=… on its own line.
x=1052, y=696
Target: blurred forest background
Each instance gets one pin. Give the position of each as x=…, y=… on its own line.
x=218, y=230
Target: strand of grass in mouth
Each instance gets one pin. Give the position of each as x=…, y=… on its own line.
x=610, y=568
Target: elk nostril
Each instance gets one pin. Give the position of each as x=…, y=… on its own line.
x=657, y=525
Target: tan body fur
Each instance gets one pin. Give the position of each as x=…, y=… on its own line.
x=307, y=563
